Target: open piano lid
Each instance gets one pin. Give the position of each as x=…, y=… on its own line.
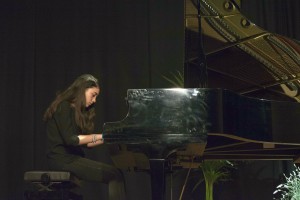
x=241, y=56
x=248, y=60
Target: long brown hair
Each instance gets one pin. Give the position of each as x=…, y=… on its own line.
x=75, y=95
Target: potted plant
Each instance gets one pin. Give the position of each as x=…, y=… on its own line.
x=213, y=171
x=290, y=190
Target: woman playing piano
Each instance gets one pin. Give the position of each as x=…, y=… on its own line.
x=69, y=120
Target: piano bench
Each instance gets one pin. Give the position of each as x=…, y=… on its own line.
x=50, y=185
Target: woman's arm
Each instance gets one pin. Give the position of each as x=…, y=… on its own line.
x=90, y=140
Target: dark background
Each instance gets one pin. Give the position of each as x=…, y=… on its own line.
x=45, y=45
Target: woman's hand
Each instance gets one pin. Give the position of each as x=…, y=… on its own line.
x=97, y=140
x=90, y=140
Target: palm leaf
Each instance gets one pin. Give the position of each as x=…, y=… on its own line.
x=176, y=79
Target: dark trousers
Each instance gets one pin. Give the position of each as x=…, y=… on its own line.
x=90, y=170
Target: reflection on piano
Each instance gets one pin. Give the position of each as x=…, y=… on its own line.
x=186, y=125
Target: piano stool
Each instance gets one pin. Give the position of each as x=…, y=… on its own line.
x=51, y=185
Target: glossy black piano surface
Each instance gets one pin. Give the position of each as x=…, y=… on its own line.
x=226, y=124
x=161, y=116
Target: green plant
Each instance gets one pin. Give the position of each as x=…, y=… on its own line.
x=290, y=190
x=176, y=79
x=213, y=171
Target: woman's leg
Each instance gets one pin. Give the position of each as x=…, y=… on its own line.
x=90, y=170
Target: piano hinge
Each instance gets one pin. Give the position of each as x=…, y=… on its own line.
x=268, y=145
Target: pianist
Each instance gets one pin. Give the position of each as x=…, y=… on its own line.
x=69, y=120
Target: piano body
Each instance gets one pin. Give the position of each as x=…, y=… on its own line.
x=247, y=109
x=171, y=128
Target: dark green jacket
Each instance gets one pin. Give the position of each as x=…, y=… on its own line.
x=62, y=132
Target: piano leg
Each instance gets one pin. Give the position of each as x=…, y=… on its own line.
x=157, y=170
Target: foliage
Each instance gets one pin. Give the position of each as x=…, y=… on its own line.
x=213, y=171
x=177, y=79
x=290, y=190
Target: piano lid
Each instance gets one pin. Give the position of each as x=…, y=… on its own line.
x=241, y=56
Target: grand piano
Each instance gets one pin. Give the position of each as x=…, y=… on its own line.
x=248, y=108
